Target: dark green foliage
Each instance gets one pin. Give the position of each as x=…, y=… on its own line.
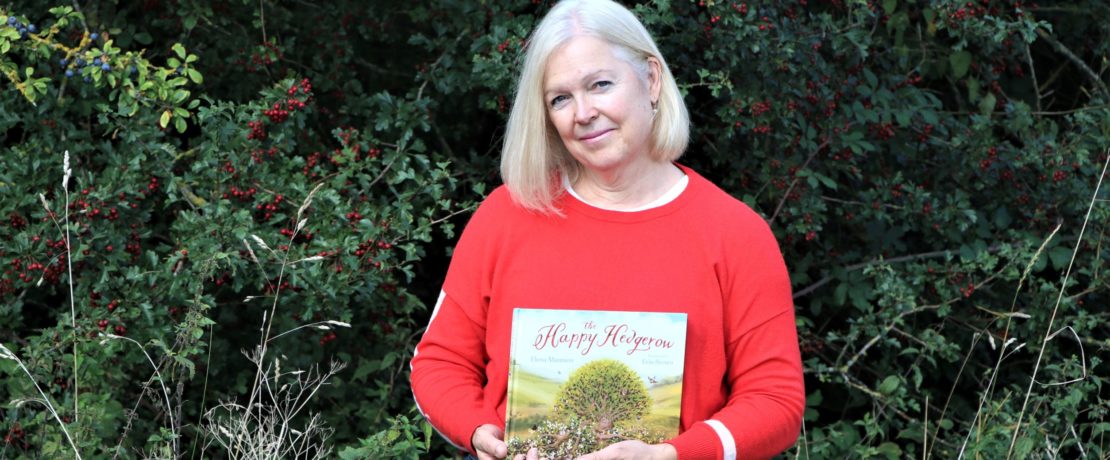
x=914, y=159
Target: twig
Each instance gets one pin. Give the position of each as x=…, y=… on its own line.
x=894, y=321
x=1033, y=74
x=262, y=19
x=853, y=267
x=1090, y=74
x=1076, y=110
x=794, y=182
x=1056, y=308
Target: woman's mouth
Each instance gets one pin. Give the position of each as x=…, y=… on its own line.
x=594, y=135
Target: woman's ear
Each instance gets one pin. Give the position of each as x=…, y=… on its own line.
x=655, y=78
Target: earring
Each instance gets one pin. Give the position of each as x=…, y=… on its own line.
x=654, y=109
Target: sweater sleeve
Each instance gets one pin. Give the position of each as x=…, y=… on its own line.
x=448, y=374
x=449, y=365
x=766, y=399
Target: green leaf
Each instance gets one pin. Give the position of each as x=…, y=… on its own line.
x=1060, y=257
x=388, y=360
x=889, y=6
x=165, y=120
x=890, y=450
x=840, y=294
x=1002, y=218
x=186, y=363
x=179, y=49
x=959, y=61
x=986, y=105
x=814, y=399
x=889, y=385
x=195, y=76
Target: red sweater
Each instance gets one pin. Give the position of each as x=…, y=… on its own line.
x=704, y=253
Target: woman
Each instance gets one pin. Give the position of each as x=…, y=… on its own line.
x=595, y=215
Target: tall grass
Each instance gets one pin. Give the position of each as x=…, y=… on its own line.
x=261, y=429
x=1056, y=308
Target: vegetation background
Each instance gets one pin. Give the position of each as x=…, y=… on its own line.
x=239, y=250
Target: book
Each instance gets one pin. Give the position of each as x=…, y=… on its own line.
x=580, y=380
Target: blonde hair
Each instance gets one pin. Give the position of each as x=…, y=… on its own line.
x=533, y=158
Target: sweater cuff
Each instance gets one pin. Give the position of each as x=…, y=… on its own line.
x=700, y=441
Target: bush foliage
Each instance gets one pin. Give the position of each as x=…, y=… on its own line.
x=930, y=169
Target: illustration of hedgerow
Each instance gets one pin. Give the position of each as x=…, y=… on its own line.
x=604, y=392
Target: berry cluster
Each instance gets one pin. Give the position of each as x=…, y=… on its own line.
x=268, y=209
x=240, y=194
x=881, y=131
x=16, y=221
x=284, y=286
x=992, y=156
x=23, y=29
x=327, y=338
x=259, y=155
x=15, y=437
x=258, y=131
x=88, y=60
x=304, y=236
x=279, y=112
x=368, y=250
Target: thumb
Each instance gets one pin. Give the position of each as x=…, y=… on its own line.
x=487, y=439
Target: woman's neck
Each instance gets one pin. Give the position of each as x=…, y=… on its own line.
x=627, y=188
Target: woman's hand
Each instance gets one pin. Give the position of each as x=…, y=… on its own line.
x=488, y=445
x=633, y=450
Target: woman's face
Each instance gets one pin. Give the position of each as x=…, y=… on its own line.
x=600, y=104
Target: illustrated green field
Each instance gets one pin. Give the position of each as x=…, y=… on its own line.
x=534, y=397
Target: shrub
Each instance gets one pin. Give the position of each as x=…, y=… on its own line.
x=929, y=168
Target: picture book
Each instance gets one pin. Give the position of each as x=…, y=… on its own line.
x=580, y=380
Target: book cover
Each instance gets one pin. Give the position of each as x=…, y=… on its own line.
x=580, y=380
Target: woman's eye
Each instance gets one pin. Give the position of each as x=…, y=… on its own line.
x=603, y=84
x=557, y=100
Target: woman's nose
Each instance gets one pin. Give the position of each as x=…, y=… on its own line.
x=585, y=111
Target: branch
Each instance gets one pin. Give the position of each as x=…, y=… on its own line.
x=789, y=189
x=827, y=278
x=1075, y=60
x=1033, y=74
